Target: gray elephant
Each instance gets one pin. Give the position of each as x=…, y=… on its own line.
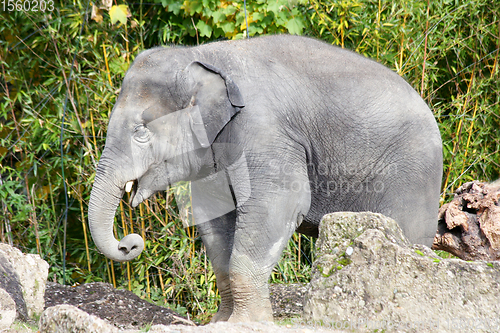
x=274, y=132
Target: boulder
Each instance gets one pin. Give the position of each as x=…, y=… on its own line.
x=368, y=277
x=121, y=308
x=469, y=225
x=7, y=310
x=24, y=277
x=9, y=281
x=67, y=318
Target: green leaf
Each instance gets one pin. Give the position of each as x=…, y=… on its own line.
x=218, y=16
x=175, y=7
x=295, y=26
x=230, y=10
x=281, y=19
x=228, y=27
x=118, y=13
x=204, y=29
x=274, y=7
x=118, y=66
x=193, y=7
x=258, y=16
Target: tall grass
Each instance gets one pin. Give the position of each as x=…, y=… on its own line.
x=447, y=50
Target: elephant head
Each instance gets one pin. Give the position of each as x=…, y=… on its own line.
x=160, y=132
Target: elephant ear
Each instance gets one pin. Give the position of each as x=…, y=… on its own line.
x=218, y=99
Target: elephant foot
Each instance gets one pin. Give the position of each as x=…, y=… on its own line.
x=225, y=308
x=250, y=295
x=247, y=310
x=221, y=316
x=261, y=314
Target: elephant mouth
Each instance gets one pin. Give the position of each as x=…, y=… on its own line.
x=131, y=187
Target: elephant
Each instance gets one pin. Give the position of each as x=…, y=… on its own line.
x=274, y=132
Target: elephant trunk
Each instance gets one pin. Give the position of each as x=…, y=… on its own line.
x=104, y=200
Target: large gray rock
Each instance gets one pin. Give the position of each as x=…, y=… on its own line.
x=367, y=277
x=24, y=277
x=67, y=318
x=7, y=310
x=9, y=281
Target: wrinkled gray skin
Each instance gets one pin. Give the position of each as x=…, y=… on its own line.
x=298, y=128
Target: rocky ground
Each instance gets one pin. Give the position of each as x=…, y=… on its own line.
x=125, y=310
x=366, y=273
x=128, y=311
x=121, y=307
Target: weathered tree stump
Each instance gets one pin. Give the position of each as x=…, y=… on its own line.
x=469, y=226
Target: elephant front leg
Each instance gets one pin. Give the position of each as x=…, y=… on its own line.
x=264, y=225
x=249, y=289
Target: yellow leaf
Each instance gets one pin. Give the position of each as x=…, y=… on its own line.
x=119, y=13
x=244, y=26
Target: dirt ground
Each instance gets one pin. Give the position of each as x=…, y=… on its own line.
x=126, y=310
x=122, y=308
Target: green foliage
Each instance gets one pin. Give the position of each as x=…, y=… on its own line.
x=12, y=192
x=444, y=255
x=447, y=50
x=211, y=19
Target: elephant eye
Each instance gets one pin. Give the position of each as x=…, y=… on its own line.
x=141, y=134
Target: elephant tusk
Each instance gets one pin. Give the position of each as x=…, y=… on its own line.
x=128, y=186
